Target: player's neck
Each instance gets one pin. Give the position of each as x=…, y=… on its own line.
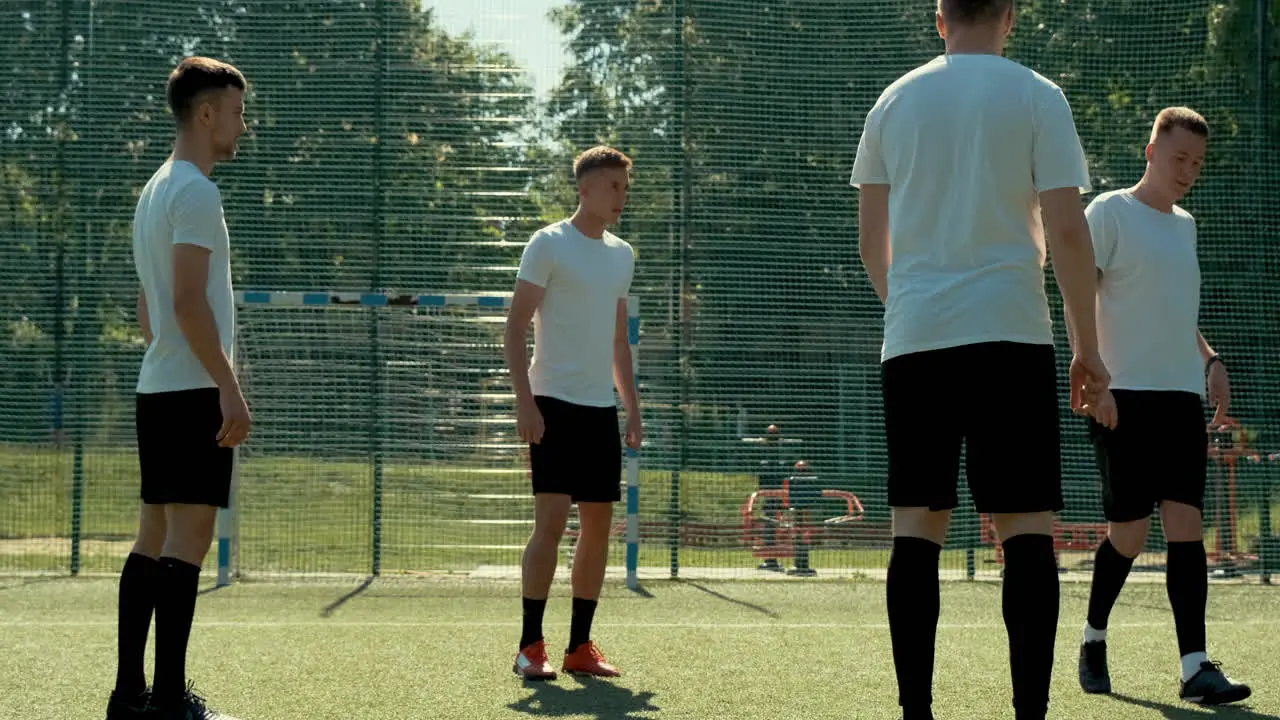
x=1148, y=195
x=198, y=154
x=974, y=41
x=588, y=224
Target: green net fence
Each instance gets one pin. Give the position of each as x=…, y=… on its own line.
x=403, y=148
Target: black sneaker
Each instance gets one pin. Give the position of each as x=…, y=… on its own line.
x=1095, y=679
x=120, y=707
x=1211, y=686
x=770, y=564
x=190, y=707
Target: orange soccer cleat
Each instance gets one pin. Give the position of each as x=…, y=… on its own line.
x=588, y=660
x=532, y=663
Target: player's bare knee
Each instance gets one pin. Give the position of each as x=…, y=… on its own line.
x=1128, y=538
x=1181, y=522
x=921, y=523
x=1009, y=525
x=189, y=532
x=596, y=519
x=547, y=534
x=151, y=531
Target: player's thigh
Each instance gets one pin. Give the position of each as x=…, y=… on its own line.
x=1013, y=455
x=179, y=458
x=922, y=429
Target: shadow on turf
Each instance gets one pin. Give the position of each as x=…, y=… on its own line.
x=741, y=603
x=592, y=698
x=333, y=606
x=1185, y=712
x=24, y=582
x=1082, y=593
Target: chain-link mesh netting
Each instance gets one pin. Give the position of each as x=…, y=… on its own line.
x=391, y=153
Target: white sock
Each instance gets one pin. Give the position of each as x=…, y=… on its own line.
x=1093, y=635
x=1191, y=664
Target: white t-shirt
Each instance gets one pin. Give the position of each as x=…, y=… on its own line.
x=1149, y=294
x=178, y=206
x=573, y=328
x=966, y=143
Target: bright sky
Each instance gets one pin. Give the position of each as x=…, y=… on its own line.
x=520, y=27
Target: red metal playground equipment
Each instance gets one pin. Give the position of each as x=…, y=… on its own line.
x=784, y=518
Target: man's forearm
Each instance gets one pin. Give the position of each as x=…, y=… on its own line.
x=517, y=354
x=878, y=272
x=200, y=328
x=1206, y=351
x=1077, y=279
x=873, y=250
x=624, y=378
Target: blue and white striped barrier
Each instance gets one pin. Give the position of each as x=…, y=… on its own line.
x=228, y=520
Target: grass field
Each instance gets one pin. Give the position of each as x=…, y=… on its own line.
x=735, y=650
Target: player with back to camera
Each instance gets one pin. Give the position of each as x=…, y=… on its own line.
x=573, y=283
x=191, y=413
x=957, y=162
x=1148, y=430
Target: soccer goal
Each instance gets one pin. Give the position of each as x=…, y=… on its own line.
x=384, y=439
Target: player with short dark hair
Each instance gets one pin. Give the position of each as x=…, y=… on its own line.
x=573, y=283
x=191, y=413
x=957, y=162
x=1148, y=430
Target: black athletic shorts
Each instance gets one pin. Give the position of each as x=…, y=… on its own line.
x=178, y=450
x=1158, y=451
x=580, y=454
x=999, y=401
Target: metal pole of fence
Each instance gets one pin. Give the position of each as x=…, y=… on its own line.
x=375, y=352
x=685, y=315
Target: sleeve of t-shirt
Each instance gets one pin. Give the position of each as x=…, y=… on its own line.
x=1103, y=234
x=868, y=164
x=537, y=261
x=196, y=215
x=1058, y=160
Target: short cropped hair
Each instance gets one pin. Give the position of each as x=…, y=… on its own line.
x=1179, y=117
x=600, y=156
x=195, y=76
x=973, y=12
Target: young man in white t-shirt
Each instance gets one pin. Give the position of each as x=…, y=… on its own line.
x=190, y=411
x=573, y=283
x=1149, y=430
x=957, y=161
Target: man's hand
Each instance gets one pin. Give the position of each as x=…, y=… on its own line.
x=529, y=422
x=236, y=419
x=635, y=431
x=1103, y=410
x=1219, y=387
x=1089, y=378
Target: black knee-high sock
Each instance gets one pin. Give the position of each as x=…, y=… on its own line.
x=584, y=611
x=1031, y=618
x=1187, y=581
x=912, y=594
x=137, y=602
x=175, y=609
x=1110, y=570
x=533, y=612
